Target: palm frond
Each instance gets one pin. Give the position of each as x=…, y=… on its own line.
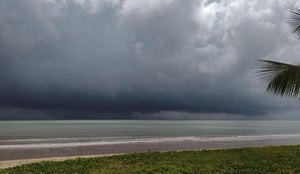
x=281, y=78
x=294, y=21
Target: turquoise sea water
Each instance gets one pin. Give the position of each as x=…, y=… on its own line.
x=116, y=129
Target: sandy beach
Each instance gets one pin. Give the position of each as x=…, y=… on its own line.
x=11, y=157
x=13, y=163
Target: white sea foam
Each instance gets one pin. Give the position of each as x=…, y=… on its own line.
x=81, y=141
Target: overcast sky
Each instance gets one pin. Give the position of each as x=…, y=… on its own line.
x=142, y=58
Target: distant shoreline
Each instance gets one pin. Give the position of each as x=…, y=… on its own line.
x=12, y=157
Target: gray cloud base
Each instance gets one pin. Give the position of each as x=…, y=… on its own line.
x=120, y=59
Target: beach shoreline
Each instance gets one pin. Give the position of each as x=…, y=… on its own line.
x=19, y=156
x=14, y=163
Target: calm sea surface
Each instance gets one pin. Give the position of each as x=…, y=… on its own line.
x=66, y=131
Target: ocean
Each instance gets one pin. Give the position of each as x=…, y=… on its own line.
x=29, y=134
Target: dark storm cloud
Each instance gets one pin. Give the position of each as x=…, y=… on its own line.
x=120, y=59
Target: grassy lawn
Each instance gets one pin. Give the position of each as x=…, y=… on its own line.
x=281, y=159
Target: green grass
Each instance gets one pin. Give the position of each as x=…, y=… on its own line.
x=281, y=159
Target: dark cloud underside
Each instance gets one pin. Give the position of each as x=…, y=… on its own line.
x=99, y=59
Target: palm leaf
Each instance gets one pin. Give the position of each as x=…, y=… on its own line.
x=281, y=78
x=294, y=21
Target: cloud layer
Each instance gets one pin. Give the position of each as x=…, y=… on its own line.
x=99, y=59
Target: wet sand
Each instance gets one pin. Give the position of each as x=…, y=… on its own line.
x=14, y=157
